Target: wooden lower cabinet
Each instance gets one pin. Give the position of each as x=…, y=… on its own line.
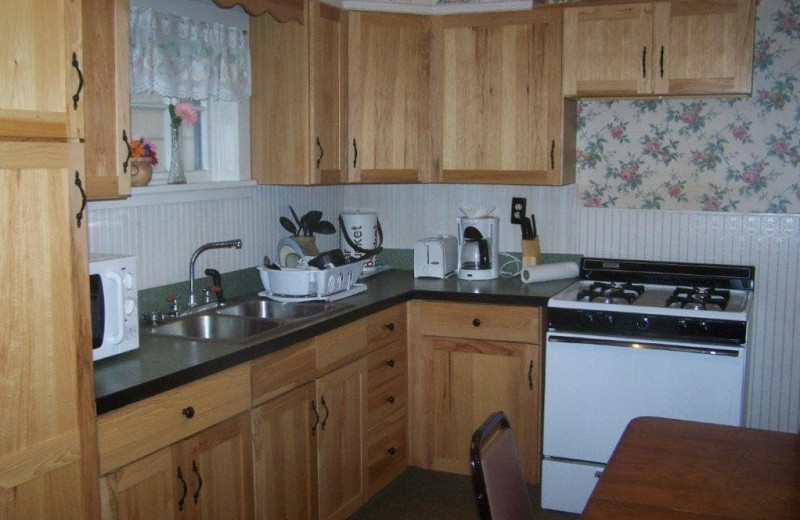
x=206, y=476
x=460, y=374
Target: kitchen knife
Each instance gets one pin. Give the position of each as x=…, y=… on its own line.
x=533, y=227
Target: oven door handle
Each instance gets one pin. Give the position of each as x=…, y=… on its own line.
x=713, y=351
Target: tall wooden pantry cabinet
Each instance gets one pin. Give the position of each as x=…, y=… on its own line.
x=48, y=462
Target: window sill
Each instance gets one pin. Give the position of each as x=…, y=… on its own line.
x=159, y=194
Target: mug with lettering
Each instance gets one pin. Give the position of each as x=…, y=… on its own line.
x=361, y=236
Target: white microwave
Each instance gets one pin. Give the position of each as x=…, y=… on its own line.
x=114, y=304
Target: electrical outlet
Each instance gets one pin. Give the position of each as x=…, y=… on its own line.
x=518, y=212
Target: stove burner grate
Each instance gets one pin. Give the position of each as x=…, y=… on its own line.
x=611, y=292
x=699, y=298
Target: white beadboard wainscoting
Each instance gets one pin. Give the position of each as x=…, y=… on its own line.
x=163, y=237
x=769, y=242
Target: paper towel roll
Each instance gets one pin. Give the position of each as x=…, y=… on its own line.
x=547, y=272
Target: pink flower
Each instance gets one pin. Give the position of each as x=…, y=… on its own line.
x=674, y=191
x=187, y=113
x=780, y=147
x=750, y=177
x=739, y=132
x=617, y=131
x=696, y=155
x=689, y=118
x=654, y=146
x=797, y=194
x=712, y=205
x=594, y=201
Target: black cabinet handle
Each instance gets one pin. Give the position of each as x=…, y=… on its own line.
x=321, y=152
x=661, y=62
x=476, y=322
x=185, y=490
x=530, y=375
x=644, y=62
x=391, y=450
x=188, y=412
x=390, y=362
x=390, y=327
x=355, y=152
x=553, y=155
x=77, y=96
x=130, y=152
x=316, y=420
x=327, y=412
x=199, y=481
x=390, y=399
x=79, y=184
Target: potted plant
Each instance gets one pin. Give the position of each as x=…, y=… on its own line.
x=143, y=158
x=303, y=229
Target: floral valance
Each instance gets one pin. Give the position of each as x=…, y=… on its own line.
x=180, y=57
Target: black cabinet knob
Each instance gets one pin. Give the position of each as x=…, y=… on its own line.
x=392, y=451
x=390, y=362
x=188, y=412
x=476, y=322
x=390, y=399
x=390, y=327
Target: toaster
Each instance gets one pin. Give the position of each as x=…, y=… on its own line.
x=436, y=257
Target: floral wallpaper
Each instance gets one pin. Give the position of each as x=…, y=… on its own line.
x=739, y=155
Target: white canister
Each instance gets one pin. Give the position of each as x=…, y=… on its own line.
x=360, y=235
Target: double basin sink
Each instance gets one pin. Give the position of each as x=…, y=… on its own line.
x=243, y=321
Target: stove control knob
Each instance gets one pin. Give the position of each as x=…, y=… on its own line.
x=643, y=323
x=608, y=320
x=586, y=319
x=683, y=326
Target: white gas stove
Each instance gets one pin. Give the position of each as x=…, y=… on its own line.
x=634, y=338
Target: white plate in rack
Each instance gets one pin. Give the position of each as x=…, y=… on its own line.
x=355, y=289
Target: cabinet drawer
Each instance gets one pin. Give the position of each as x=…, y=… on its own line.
x=387, y=363
x=480, y=321
x=142, y=428
x=386, y=326
x=387, y=399
x=337, y=347
x=387, y=452
x=277, y=373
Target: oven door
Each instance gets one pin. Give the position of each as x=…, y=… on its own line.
x=595, y=385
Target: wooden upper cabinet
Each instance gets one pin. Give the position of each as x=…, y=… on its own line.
x=497, y=112
x=682, y=47
x=107, y=94
x=388, y=98
x=704, y=47
x=608, y=50
x=297, y=104
x=38, y=79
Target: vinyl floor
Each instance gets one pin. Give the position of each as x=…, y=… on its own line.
x=431, y=495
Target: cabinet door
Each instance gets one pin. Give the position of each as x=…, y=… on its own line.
x=388, y=97
x=40, y=43
x=704, y=47
x=47, y=456
x=284, y=456
x=217, y=465
x=107, y=94
x=468, y=380
x=608, y=50
x=297, y=102
x=342, y=405
x=503, y=123
x=143, y=490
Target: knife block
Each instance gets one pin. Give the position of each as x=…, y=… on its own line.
x=531, y=252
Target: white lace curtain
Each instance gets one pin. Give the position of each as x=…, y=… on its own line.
x=189, y=59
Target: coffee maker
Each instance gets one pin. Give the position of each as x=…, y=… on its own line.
x=477, y=248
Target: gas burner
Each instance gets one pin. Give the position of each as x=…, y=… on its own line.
x=611, y=293
x=699, y=298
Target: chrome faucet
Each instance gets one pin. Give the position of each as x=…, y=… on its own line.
x=236, y=243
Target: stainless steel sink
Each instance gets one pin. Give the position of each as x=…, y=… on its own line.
x=290, y=312
x=215, y=327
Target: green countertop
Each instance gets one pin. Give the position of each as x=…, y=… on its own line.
x=161, y=363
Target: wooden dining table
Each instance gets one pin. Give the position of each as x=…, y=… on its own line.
x=666, y=469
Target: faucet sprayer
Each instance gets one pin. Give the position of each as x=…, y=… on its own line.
x=236, y=243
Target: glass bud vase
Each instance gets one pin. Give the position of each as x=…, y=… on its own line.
x=176, y=175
